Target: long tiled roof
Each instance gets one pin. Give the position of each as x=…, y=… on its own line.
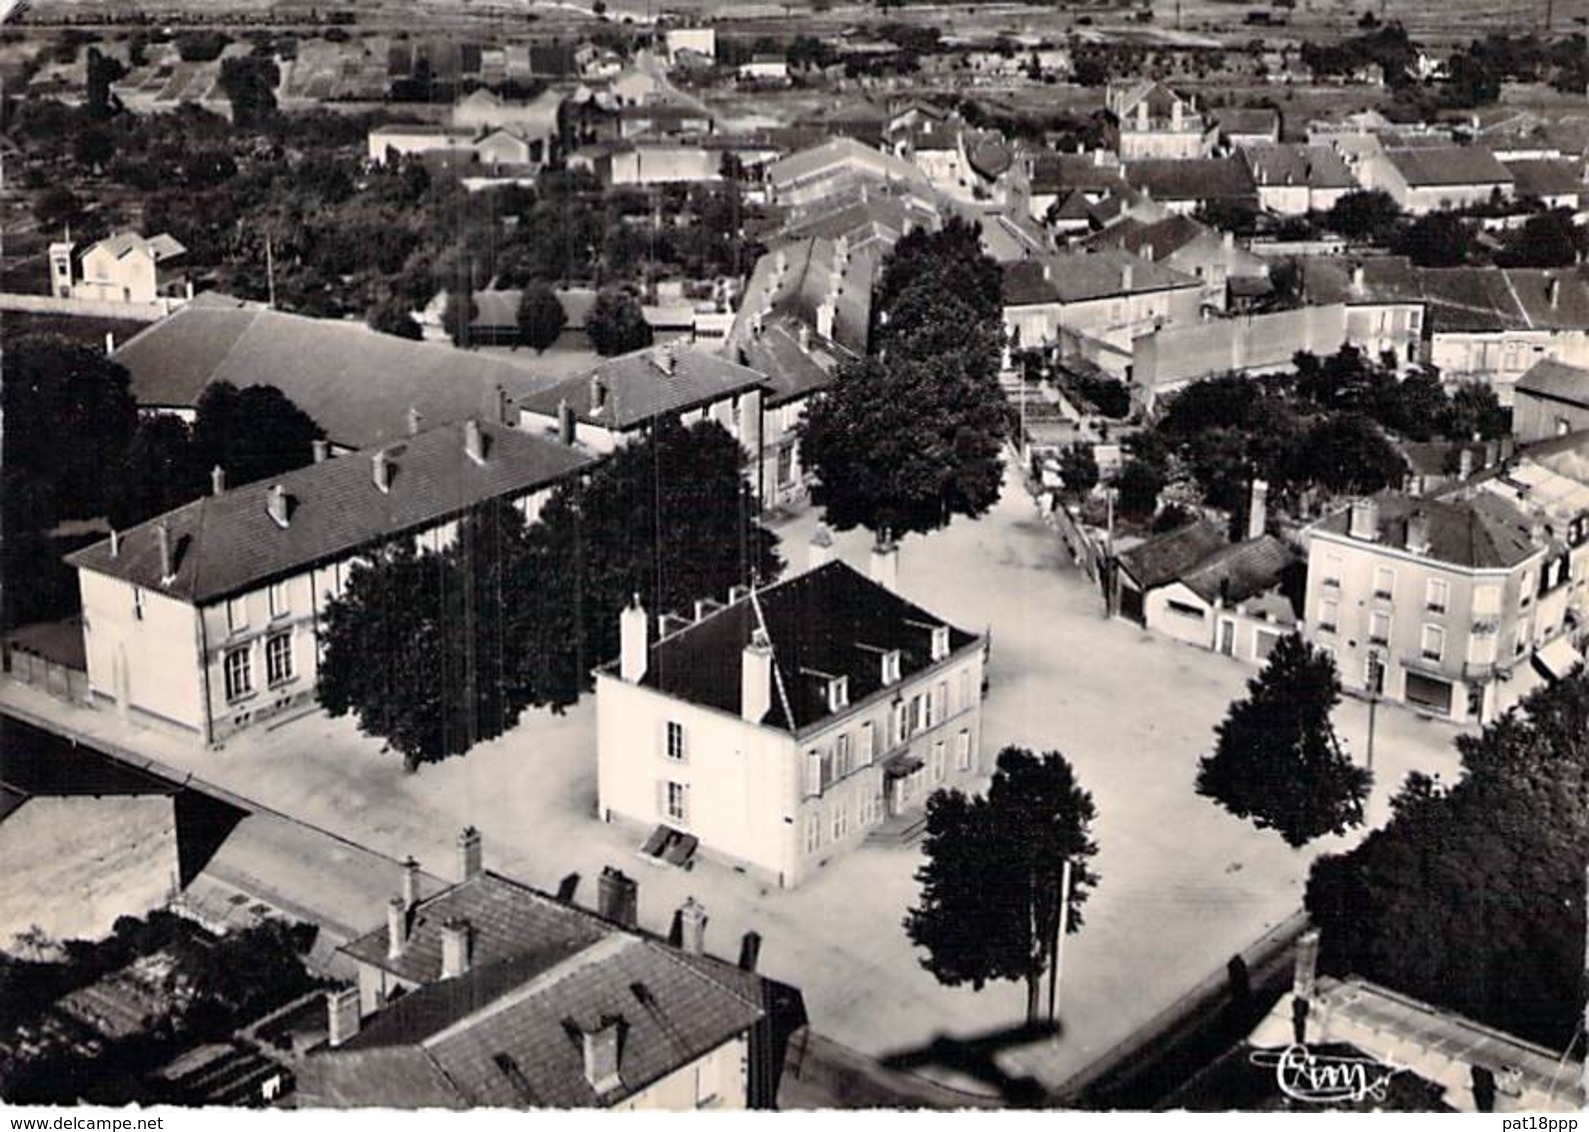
x=798, y=278
x=229, y=543
x=1073, y=277
x=1169, y=557
x=1316, y=166
x=830, y=620
x=1436, y=166
x=1483, y=533
x=1556, y=380
x=508, y=1032
x=840, y=154
x=644, y=385
x=1240, y=571
x=1546, y=177
x=1204, y=178
x=1056, y=172
x=792, y=370
x=356, y=384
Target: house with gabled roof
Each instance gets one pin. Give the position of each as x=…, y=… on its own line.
x=1193, y=249
x=490, y=993
x=205, y=620
x=782, y=729
x=124, y=267
x=1550, y=400
x=1155, y=123
x=1426, y=178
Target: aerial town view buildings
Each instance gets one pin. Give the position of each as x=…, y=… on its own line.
x=784, y=557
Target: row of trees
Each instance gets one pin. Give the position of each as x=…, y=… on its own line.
x=436, y=651
x=911, y=435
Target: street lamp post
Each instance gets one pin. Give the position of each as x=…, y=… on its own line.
x=1061, y=927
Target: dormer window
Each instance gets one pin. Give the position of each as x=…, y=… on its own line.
x=891, y=667
x=838, y=693
x=940, y=642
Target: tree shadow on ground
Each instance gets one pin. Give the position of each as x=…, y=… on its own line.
x=976, y=1057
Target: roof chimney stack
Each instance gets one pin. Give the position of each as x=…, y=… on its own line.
x=1553, y=291
x=566, y=425
x=634, y=645
x=110, y=343
x=820, y=550
x=276, y=504
x=410, y=883
x=1364, y=523
x=217, y=480
x=1465, y=464
x=692, y=921
x=168, y=558
x=617, y=897
x=396, y=927
x=457, y=939
x=474, y=444
x=755, y=677
x=600, y=1047
x=885, y=562
x=342, y=1014
x=1258, y=509
x=1418, y=532
x=115, y=543
x=321, y=449
x=1359, y=278
x=381, y=470
x=471, y=853
x=414, y=421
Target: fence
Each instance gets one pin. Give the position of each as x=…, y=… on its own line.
x=1179, y=354
x=51, y=676
x=89, y=308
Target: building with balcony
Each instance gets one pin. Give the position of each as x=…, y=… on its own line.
x=775, y=732
x=1155, y=122
x=1427, y=602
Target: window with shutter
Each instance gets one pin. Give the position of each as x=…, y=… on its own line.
x=900, y=722
x=813, y=773
x=939, y=761
x=813, y=831
x=963, y=750
x=868, y=743
x=940, y=702
x=841, y=756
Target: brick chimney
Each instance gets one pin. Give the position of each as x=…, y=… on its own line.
x=567, y=427
x=1364, y=522
x=634, y=630
x=381, y=470
x=598, y=394
x=755, y=678
x=217, y=480
x=276, y=505
x=471, y=853
x=617, y=897
x=602, y=1054
x=474, y=444
x=342, y=1014
x=457, y=946
x=396, y=927
x=692, y=921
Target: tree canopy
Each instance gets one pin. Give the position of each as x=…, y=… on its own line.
x=616, y=324
x=1276, y=759
x=991, y=880
x=1472, y=897
x=251, y=433
x=541, y=316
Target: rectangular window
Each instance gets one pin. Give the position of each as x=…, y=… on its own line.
x=813, y=831
x=1434, y=642
x=675, y=741
x=918, y=713
x=1329, y=615
x=1525, y=597
x=678, y=802
x=967, y=690
x=278, y=599
x=838, y=693
x=813, y=773
x=278, y=658
x=963, y=750
x=1384, y=583
x=1437, y=595
x=901, y=722
x=891, y=667
x=940, y=761
x=786, y=465
x=841, y=756
x=137, y=602
x=239, y=673
x=841, y=821
x=237, y=614
x=940, y=702
x=940, y=642
x=868, y=743
x=1182, y=609
x=1379, y=628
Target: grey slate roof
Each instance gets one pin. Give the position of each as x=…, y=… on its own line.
x=1437, y=166
x=227, y=544
x=356, y=384
x=1074, y=277
x=1243, y=570
x=1557, y=381
x=831, y=620
x=645, y=385
x=1168, y=557
x=792, y=371
x=1484, y=532
x=1547, y=177
x=1199, y=179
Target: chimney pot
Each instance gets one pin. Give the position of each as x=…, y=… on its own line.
x=414, y=421
x=692, y=918
x=321, y=449
x=410, y=883
x=457, y=943
x=396, y=927
x=749, y=951
x=381, y=470
x=634, y=646
x=617, y=897
x=342, y=1014
x=474, y=441
x=168, y=559
x=471, y=853
x=276, y=504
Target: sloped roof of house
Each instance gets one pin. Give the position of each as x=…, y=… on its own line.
x=831, y=621
x=1557, y=381
x=1483, y=532
x=1165, y=238
x=35, y=764
x=1547, y=177
x=1056, y=172
x=509, y=1031
x=356, y=384
x=158, y=248
x=1168, y=557
x=1248, y=120
x=1193, y=179
x=1316, y=166
x=1386, y=279
x=642, y=386
x=840, y=155
x=1448, y=165
x=1240, y=571
x=228, y=544
x=1073, y=277
x=862, y=213
x=798, y=278
x=792, y=370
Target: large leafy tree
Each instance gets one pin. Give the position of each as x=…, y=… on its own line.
x=616, y=324
x=905, y=440
x=1472, y=897
x=991, y=884
x=1366, y=214
x=670, y=519
x=392, y=316
x=161, y=469
x=1277, y=760
x=425, y=648
x=541, y=316
x=252, y=433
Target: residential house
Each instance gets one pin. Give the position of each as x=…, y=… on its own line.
x=1194, y=587
x=415, y=139
x=1493, y=324
x=1241, y=126
x=783, y=728
x=1555, y=183
x=491, y=994
x=1550, y=400
x=1296, y=179
x=1425, y=179
x=358, y=385
x=206, y=620
x=1427, y=602
x=1194, y=249
x=1060, y=187
x=1189, y=184
x=1155, y=123
x=533, y=121
x=830, y=167
x=1110, y=297
x=797, y=364
x=124, y=267
x=624, y=397
x=1383, y=298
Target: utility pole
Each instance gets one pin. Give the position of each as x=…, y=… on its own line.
x=270, y=272
x=1057, y=948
